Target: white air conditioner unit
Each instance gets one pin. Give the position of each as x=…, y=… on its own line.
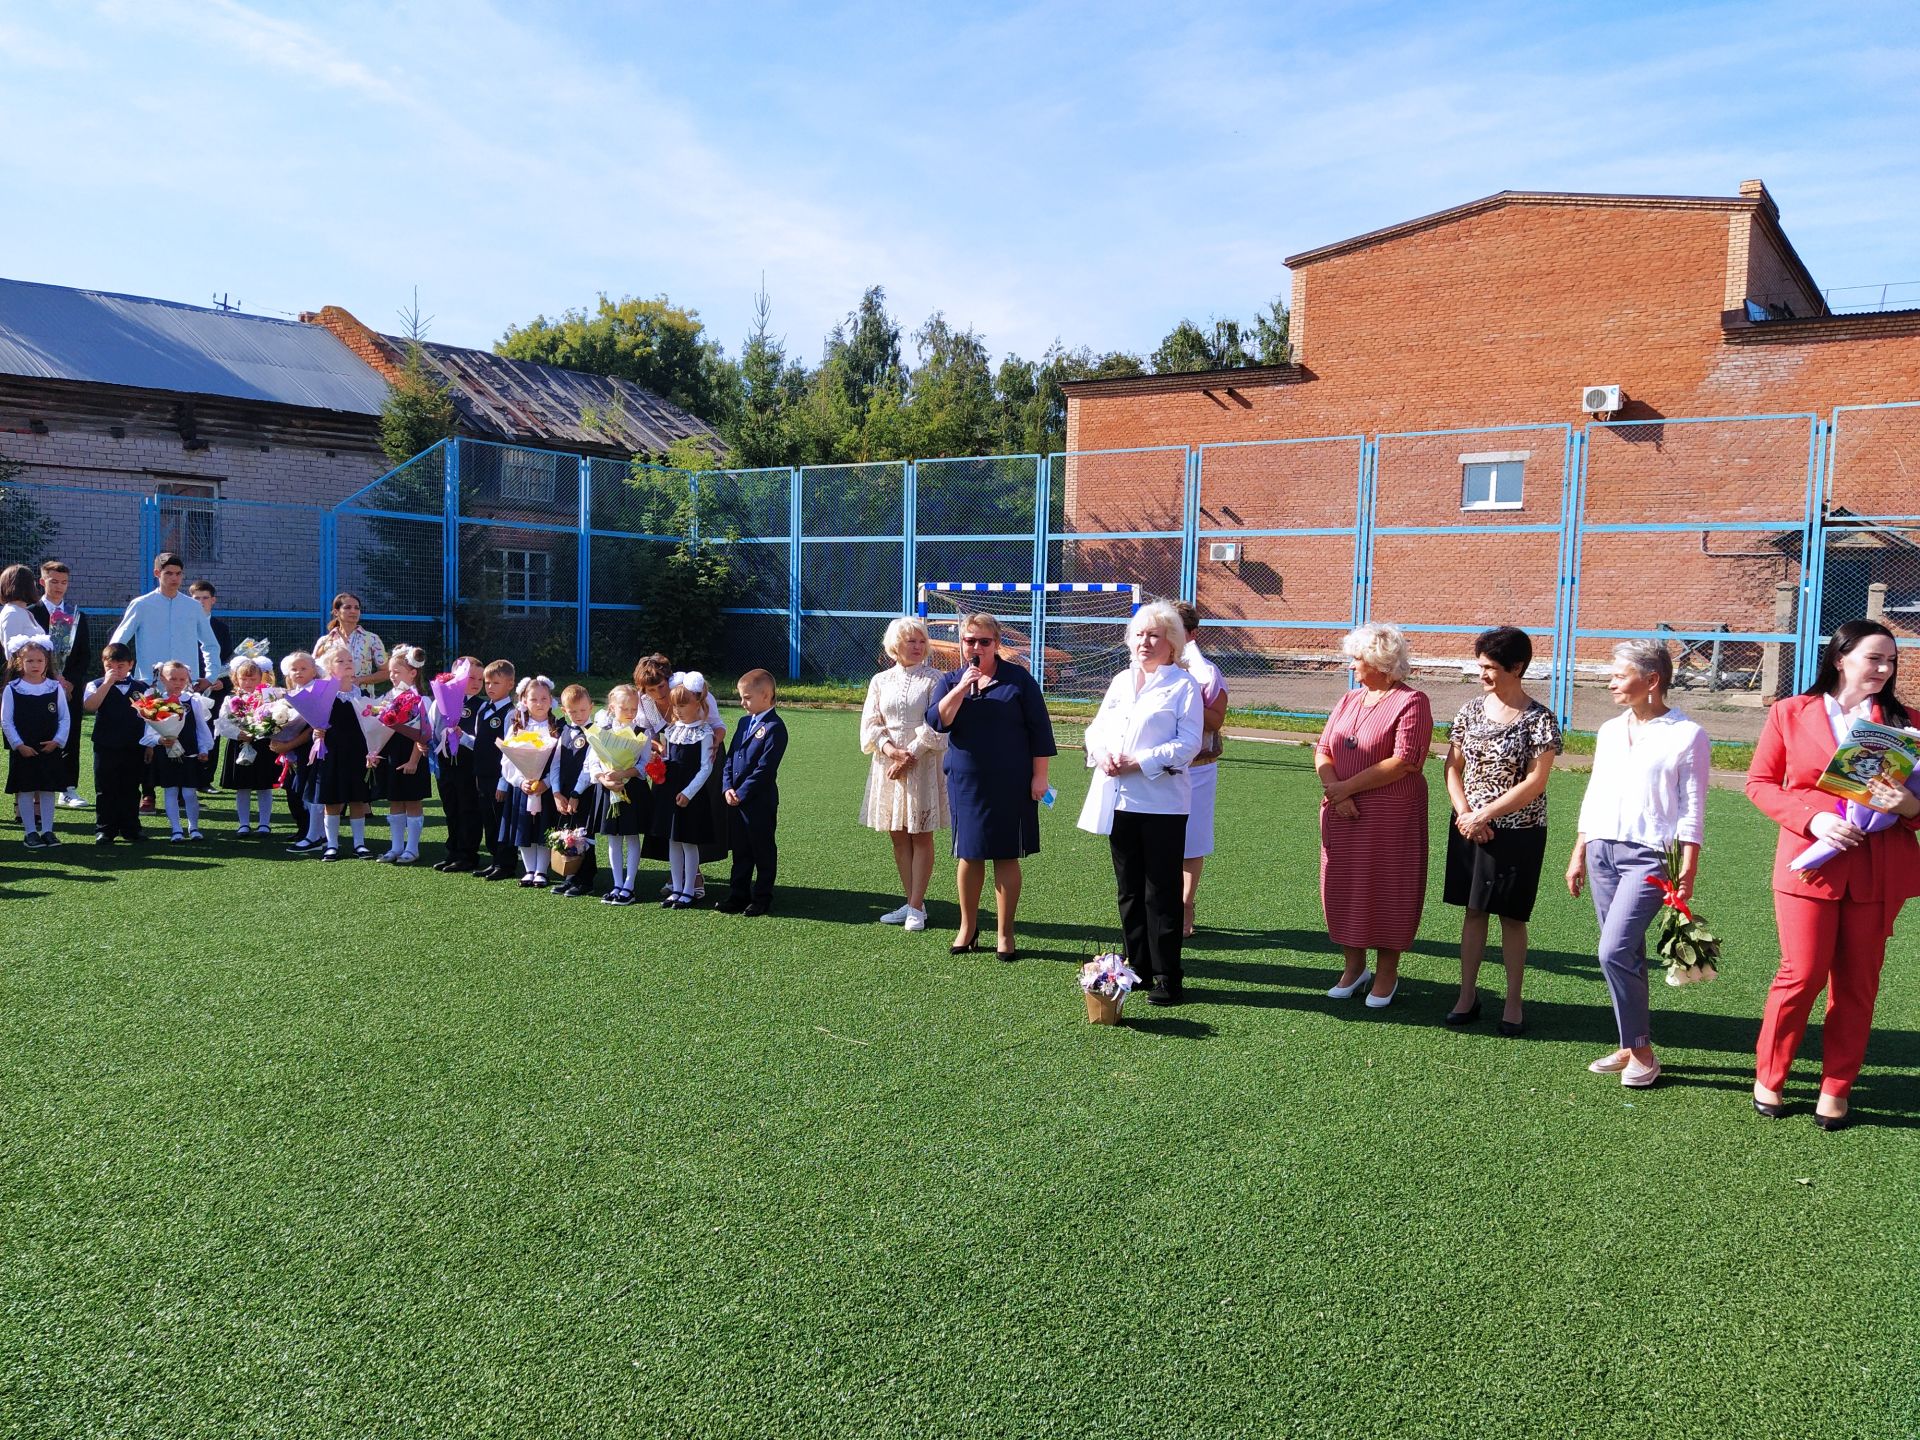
x=1600, y=399
x=1224, y=552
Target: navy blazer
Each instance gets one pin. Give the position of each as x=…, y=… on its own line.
x=753, y=759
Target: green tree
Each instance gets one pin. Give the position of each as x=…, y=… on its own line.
x=952, y=407
x=418, y=412
x=867, y=343
x=653, y=343
x=1188, y=348
x=26, y=535
x=1270, y=339
x=1033, y=407
x=758, y=432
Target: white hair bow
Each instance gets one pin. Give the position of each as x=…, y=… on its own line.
x=694, y=681
x=20, y=642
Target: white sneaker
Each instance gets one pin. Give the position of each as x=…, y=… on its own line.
x=897, y=917
x=72, y=800
x=916, y=920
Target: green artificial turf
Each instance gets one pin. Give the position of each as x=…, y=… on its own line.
x=301, y=1150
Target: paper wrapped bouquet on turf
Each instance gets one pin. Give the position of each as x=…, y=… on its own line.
x=1106, y=980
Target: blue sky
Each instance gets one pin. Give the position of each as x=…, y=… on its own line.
x=1087, y=173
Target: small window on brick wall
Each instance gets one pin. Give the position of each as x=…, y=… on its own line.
x=190, y=520
x=521, y=578
x=1493, y=480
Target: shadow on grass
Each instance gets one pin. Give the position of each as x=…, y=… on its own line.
x=1175, y=1025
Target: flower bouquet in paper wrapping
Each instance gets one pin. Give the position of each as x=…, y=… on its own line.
x=313, y=703
x=570, y=849
x=1107, y=980
x=617, y=750
x=373, y=729
x=449, y=699
x=167, y=718
x=1866, y=773
x=404, y=712
x=1692, y=951
x=527, y=753
x=248, y=718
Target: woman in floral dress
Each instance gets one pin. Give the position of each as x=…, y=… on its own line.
x=906, y=795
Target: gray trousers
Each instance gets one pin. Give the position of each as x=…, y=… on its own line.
x=1617, y=875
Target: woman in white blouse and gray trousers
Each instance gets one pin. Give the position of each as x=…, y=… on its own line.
x=1139, y=747
x=1648, y=791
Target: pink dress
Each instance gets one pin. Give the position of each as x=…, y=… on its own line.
x=1373, y=870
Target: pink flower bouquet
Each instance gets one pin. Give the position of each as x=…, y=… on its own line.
x=373, y=728
x=449, y=699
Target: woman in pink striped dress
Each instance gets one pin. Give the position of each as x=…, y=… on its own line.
x=1373, y=817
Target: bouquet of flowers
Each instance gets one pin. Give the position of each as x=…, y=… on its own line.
x=313, y=703
x=570, y=849
x=656, y=770
x=166, y=718
x=617, y=750
x=1689, y=948
x=1107, y=980
x=1869, y=815
x=375, y=731
x=449, y=699
x=528, y=751
x=404, y=712
x=247, y=717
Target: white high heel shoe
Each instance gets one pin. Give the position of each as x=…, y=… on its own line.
x=1380, y=1002
x=1343, y=992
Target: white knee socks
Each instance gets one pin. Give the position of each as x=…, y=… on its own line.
x=684, y=863
x=533, y=859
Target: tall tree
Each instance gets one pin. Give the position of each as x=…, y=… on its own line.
x=418, y=412
x=1270, y=327
x=951, y=398
x=868, y=342
x=759, y=432
x=654, y=343
x=1187, y=347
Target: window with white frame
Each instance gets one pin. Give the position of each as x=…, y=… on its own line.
x=524, y=578
x=1493, y=479
x=527, y=475
x=190, y=519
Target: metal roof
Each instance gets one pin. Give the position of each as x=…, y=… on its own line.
x=55, y=333
x=525, y=400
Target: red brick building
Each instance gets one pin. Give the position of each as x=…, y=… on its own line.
x=1503, y=312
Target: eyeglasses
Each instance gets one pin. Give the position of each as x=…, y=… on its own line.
x=979, y=640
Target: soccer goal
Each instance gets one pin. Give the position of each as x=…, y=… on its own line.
x=1072, y=635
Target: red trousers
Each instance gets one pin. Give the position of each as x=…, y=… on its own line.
x=1832, y=945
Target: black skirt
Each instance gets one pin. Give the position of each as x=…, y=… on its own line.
x=692, y=823
x=258, y=773
x=341, y=773
x=630, y=818
x=396, y=786
x=1501, y=877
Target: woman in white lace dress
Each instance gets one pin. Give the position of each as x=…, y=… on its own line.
x=906, y=794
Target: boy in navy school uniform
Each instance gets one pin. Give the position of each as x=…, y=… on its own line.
x=459, y=799
x=119, y=761
x=489, y=726
x=751, y=777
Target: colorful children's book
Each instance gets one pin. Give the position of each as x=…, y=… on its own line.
x=1871, y=752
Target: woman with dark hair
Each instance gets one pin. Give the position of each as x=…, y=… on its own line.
x=368, y=650
x=1834, y=918
x=19, y=590
x=1498, y=760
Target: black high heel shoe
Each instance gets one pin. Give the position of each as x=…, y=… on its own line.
x=1468, y=1016
x=1771, y=1112
x=967, y=948
x=1831, y=1122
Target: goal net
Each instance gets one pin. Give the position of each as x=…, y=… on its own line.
x=1072, y=636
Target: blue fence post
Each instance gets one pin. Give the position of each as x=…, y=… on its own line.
x=1572, y=507
x=1363, y=530
x=1813, y=555
x=793, y=573
x=329, y=560
x=149, y=543
x=450, y=547
x=1190, y=529
x=909, y=542
x=583, y=627
x=1037, y=603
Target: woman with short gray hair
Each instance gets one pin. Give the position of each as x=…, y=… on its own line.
x=1373, y=812
x=1648, y=791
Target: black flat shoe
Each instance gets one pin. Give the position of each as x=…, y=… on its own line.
x=1165, y=992
x=1513, y=1029
x=1469, y=1016
x=1771, y=1112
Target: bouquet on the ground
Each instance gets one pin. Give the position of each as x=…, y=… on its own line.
x=248, y=718
x=1692, y=951
x=528, y=751
x=1107, y=980
x=166, y=718
x=374, y=730
x=449, y=699
x=617, y=749
x=570, y=848
x=313, y=703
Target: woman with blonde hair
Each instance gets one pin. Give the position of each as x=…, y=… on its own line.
x=1373, y=813
x=906, y=796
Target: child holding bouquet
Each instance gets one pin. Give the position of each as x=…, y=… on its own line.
x=656, y=678
x=118, y=757
x=683, y=816
x=341, y=786
x=178, y=765
x=456, y=712
x=33, y=713
x=293, y=744
x=403, y=759
x=525, y=789
x=490, y=725
x=244, y=720
x=574, y=795
x=617, y=752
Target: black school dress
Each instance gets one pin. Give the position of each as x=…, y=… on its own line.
x=692, y=823
x=36, y=719
x=635, y=808
x=395, y=784
x=520, y=825
x=340, y=775
x=258, y=773
x=187, y=771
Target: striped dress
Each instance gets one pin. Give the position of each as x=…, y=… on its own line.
x=1373, y=870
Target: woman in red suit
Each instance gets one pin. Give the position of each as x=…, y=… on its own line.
x=1834, y=919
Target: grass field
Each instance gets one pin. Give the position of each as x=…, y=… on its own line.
x=293, y=1150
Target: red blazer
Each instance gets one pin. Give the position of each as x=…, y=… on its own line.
x=1793, y=749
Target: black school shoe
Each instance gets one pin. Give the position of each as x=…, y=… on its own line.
x=732, y=905
x=1165, y=992
x=758, y=907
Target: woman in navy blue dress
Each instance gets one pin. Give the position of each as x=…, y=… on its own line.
x=997, y=757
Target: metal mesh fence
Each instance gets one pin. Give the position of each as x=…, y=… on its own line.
x=1870, y=560
x=101, y=534
x=853, y=564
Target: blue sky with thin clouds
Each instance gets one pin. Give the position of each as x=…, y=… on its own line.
x=1086, y=173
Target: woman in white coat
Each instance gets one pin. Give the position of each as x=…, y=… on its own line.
x=1140, y=747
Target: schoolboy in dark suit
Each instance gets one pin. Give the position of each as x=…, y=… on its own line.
x=459, y=800
x=489, y=726
x=751, y=776
x=119, y=762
